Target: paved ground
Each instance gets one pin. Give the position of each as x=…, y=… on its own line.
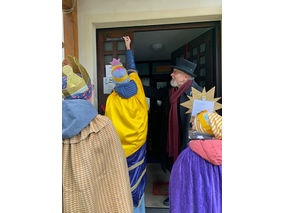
x=155, y=174
x=157, y=210
x=153, y=203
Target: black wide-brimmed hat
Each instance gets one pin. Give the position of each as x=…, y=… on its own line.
x=185, y=66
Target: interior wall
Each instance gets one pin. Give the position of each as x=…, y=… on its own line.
x=169, y=39
x=96, y=14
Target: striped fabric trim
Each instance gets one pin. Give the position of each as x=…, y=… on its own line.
x=138, y=181
x=136, y=156
x=136, y=165
x=140, y=201
x=137, y=170
x=216, y=124
x=212, y=125
x=198, y=126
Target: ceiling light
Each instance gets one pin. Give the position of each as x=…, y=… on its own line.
x=157, y=46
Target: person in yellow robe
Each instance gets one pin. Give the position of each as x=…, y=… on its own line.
x=127, y=108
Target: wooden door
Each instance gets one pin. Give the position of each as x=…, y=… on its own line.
x=109, y=45
x=200, y=52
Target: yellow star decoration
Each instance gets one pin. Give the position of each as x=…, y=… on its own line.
x=207, y=96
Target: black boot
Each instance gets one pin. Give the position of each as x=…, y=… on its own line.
x=166, y=202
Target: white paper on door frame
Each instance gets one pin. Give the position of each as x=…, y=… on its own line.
x=108, y=85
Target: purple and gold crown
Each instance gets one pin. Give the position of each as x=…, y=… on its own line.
x=118, y=72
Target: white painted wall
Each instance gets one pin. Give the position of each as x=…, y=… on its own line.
x=95, y=14
x=125, y=6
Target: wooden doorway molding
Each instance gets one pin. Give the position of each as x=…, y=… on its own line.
x=113, y=39
x=102, y=34
x=70, y=26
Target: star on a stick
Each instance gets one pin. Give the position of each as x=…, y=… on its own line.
x=205, y=96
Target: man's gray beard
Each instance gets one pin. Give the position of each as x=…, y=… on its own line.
x=173, y=83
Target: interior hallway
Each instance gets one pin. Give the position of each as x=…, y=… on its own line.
x=154, y=203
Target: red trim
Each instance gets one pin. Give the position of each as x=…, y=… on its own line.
x=103, y=106
x=157, y=188
x=186, y=51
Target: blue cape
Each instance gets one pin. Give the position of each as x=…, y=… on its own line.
x=76, y=115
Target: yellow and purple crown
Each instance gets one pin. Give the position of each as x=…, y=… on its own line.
x=118, y=72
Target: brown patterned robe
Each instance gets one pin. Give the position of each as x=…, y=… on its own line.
x=95, y=172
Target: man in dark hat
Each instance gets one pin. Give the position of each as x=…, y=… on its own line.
x=175, y=123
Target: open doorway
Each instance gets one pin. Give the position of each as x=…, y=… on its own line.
x=155, y=49
x=154, y=52
x=110, y=44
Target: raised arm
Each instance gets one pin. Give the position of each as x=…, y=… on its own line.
x=130, y=63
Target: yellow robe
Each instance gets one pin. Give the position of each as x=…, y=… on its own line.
x=129, y=117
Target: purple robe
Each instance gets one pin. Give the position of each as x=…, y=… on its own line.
x=195, y=185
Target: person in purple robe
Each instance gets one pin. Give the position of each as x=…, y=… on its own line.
x=196, y=178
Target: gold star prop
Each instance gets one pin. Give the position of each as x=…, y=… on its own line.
x=206, y=96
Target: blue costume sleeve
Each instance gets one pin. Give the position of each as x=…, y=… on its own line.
x=130, y=63
x=129, y=89
x=126, y=90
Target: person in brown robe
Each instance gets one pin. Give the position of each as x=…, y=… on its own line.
x=95, y=172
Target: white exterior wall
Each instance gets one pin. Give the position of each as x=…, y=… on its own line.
x=95, y=14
